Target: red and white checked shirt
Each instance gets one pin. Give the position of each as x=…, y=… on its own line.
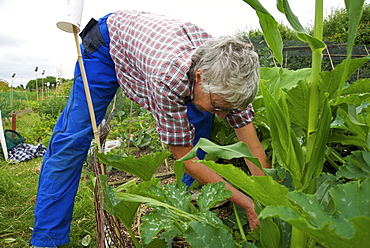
x=152, y=55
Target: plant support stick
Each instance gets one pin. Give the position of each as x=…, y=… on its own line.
x=87, y=91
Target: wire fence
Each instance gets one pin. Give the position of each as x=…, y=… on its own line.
x=297, y=55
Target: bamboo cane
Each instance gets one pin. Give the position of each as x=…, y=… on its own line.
x=87, y=90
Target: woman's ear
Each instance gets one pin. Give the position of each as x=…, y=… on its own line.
x=198, y=76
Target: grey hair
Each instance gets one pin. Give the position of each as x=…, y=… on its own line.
x=230, y=68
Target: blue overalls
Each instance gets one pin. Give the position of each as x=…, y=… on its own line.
x=72, y=135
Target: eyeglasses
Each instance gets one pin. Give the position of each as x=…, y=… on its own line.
x=213, y=105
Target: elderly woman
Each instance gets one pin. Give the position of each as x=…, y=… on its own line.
x=172, y=68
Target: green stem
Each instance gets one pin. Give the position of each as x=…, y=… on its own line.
x=338, y=157
x=315, y=77
x=133, y=238
x=327, y=158
x=240, y=226
x=299, y=239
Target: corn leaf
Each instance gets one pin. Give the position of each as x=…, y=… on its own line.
x=270, y=30
x=271, y=34
x=284, y=142
x=237, y=150
x=298, y=99
x=264, y=189
x=354, y=10
x=316, y=160
x=302, y=34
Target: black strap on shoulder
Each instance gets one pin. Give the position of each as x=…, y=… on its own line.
x=89, y=26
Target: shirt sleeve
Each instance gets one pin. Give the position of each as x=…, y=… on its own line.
x=169, y=111
x=240, y=118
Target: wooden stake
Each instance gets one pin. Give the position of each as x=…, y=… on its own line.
x=87, y=91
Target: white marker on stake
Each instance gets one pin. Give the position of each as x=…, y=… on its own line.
x=71, y=15
x=2, y=138
x=71, y=23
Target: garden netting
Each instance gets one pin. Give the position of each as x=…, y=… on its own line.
x=297, y=54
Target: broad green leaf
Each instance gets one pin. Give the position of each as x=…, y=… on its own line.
x=125, y=210
x=345, y=139
x=143, y=167
x=283, y=78
x=155, y=203
x=270, y=235
x=361, y=86
x=352, y=199
x=179, y=169
x=325, y=182
x=341, y=229
x=362, y=236
x=357, y=167
x=177, y=196
x=284, y=142
x=330, y=79
x=156, y=222
x=237, y=150
x=356, y=99
x=158, y=243
x=200, y=234
x=298, y=99
x=211, y=195
x=361, y=130
x=310, y=209
x=109, y=199
x=247, y=244
x=264, y=189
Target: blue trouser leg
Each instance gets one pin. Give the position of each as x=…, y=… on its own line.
x=69, y=144
x=202, y=122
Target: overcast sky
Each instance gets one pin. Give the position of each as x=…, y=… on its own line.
x=29, y=36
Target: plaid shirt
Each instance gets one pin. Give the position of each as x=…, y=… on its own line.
x=152, y=55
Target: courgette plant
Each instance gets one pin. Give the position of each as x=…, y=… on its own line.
x=306, y=112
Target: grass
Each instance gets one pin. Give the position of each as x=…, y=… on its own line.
x=18, y=187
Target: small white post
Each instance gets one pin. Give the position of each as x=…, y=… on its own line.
x=2, y=138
